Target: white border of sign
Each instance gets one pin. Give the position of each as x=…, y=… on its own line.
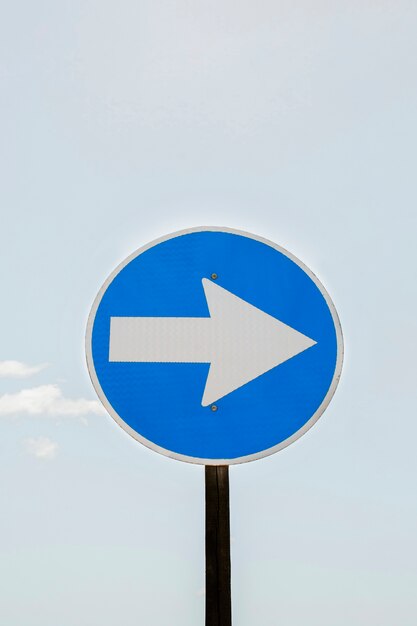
x=190, y=459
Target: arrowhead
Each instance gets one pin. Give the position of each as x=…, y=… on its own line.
x=247, y=342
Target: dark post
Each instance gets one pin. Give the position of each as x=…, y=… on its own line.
x=218, y=595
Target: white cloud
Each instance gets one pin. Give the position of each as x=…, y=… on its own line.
x=17, y=369
x=47, y=400
x=41, y=447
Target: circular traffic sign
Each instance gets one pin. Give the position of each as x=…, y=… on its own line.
x=214, y=346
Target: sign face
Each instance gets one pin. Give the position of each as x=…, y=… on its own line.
x=214, y=346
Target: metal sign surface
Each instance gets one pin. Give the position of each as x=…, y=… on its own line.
x=214, y=346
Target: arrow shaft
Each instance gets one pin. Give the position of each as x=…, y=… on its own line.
x=161, y=339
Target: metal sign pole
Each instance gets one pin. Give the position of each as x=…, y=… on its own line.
x=218, y=592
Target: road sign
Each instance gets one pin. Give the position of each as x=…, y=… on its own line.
x=214, y=346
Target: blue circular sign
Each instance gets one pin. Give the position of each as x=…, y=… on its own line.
x=214, y=346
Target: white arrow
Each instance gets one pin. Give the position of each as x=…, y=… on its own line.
x=240, y=341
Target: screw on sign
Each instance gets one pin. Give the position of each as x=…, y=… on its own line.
x=246, y=345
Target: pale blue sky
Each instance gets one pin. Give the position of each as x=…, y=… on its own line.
x=121, y=122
